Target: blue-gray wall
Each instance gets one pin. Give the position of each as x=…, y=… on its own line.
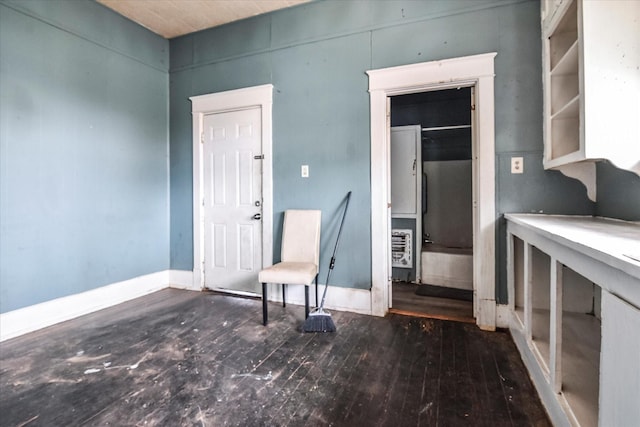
x=84, y=107
x=316, y=56
x=618, y=192
x=84, y=196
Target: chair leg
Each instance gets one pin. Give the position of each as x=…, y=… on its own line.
x=306, y=301
x=284, y=287
x=264, y=304
x=316, y=281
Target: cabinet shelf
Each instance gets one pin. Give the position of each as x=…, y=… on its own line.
x=570, y=157
x=581, y=365
x=565, y=136
x=570, y=110
x=564, y=90
x=568, y=63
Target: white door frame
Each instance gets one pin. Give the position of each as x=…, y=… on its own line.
x=256, y=96
x=476, y=71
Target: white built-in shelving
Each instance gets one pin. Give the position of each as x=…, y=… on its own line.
x=574, y=295
x=591, y=79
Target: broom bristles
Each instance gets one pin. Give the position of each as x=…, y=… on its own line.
x=319, y=321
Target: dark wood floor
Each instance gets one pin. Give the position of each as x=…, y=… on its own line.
x=178, y=358
x=406, y=301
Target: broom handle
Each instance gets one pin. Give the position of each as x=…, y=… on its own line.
x=335, y=248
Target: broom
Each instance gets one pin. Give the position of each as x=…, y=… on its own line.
x=319, y=320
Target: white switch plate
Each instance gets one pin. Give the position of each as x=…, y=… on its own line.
x=517, y=165
x=304, y=171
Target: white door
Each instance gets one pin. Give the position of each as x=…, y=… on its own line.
x=406, y=167
x=232, y=166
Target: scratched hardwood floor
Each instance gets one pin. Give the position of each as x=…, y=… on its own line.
x=178, y=358
x=406, y=301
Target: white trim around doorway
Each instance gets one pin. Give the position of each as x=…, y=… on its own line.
x=256, y=96
x=475, y=71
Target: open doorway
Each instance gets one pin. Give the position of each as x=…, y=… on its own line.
x=432, y=203
x=476, y=71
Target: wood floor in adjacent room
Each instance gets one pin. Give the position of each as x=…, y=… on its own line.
x=177, y=358
x=405, y=300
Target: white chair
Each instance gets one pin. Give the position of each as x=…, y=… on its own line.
x=299, y=256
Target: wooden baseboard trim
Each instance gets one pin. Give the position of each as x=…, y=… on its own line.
x=432, y=316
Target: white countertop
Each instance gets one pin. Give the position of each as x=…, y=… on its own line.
x=614, y=242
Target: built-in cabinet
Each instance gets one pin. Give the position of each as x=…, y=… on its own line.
x=406, y=201
x=574, y=295
x=591, y=80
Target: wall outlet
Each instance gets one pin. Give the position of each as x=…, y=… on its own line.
x=304, y=171
x=517, y=165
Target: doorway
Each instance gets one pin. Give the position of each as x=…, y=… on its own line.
x=232, y=189
x=431, y=204
x=477, y=71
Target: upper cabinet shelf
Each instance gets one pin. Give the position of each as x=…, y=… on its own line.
x=591, y=77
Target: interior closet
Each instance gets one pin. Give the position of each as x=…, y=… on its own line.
x=431, y=203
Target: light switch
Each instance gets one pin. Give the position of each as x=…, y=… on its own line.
x=304, y=171
x=517, y=165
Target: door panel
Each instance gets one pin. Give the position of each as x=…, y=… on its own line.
x=232, y=196
x=404, y=168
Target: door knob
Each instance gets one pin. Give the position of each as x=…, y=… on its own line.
x=257, y=216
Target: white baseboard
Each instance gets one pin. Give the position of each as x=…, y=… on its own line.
x=38, y=316
x=338, y=298
x=24, y=320
x=32, y=318
x=503, y=316
x=182, y=279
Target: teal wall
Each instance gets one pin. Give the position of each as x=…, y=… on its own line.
x=86, y=150
x=84, y=192
x=316, y=56
x=618, y=192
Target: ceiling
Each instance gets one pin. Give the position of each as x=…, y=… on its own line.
x=173, y=18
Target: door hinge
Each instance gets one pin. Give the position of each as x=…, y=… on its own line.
x=202, y=138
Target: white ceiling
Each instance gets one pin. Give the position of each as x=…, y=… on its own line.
x=172, y=18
